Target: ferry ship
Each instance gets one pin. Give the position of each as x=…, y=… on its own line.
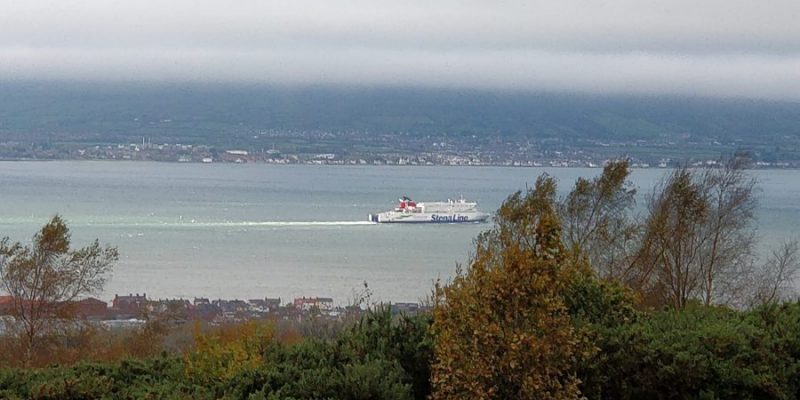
x=450, y=211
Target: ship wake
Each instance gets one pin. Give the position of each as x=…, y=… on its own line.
x=274, y=223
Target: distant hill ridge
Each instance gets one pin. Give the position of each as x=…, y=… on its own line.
x=216, y=114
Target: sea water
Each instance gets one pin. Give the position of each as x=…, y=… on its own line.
x=253, y=231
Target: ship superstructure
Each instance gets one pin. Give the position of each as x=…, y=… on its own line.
x=450, y=211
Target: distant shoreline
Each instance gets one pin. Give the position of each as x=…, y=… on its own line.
x=37, y=160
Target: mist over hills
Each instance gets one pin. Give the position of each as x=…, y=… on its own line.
x=220, y=115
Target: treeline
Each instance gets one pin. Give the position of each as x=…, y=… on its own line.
x=563, y=298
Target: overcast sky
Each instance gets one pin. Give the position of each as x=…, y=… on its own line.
x=738, y=48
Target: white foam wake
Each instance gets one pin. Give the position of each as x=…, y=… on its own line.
x=192, y=223
x=275, y=223
x=231, y=224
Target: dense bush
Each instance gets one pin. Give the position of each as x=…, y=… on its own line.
x=136, y=379
x=380, y=357
x=702, y=353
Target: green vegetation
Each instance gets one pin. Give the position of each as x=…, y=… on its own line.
x=378, y=358
x=531, y=316
x=700, y=352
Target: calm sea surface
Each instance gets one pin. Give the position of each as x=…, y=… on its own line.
x=250, y=231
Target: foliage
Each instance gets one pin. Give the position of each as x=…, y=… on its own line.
x=317, y=370
x=699, y=235
x=45, y=278
x=404, y=340
x=597, y=224
x=702, y=352
x=598, y=302
x=222, y=354
x=132, y=379
x=502, y=329
x=380, y=357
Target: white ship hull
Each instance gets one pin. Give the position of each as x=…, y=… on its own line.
x=449, y=212
x=445, y=218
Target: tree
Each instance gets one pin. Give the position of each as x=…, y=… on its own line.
x=671, y=248
x=729, y=232
x=502, y=329
x=45, y=278
x=774, y=282
x=698, y=237
x=596, y=221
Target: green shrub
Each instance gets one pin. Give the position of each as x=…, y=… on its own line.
x=701, y=352
x=380, y=357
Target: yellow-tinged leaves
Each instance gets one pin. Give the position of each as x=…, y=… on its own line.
x=221, y=354
x=502, y=327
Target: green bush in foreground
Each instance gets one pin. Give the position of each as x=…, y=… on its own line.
x=381, y=357
x=378, y=358
x=157, y=378
x=700, y=353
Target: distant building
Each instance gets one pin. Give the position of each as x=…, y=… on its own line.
x=265, y=305
x=173, y=308
x=174, y=311
x=258, y=305
x=203, y=309
x=132, y=305
x=307, y=303
x=232, y=309
x=273, y=304
x=200, y=301
x=91, y=308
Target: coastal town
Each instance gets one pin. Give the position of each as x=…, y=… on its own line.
x=136, y=308
x=431, y=152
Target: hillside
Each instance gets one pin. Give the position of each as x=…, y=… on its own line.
x=105, y=112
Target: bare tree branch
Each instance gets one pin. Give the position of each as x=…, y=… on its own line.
x=775, y=281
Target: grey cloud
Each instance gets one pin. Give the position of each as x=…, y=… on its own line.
x=712, y=47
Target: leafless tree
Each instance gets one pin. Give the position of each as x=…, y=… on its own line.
x=774, y=282
x=45, y=278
